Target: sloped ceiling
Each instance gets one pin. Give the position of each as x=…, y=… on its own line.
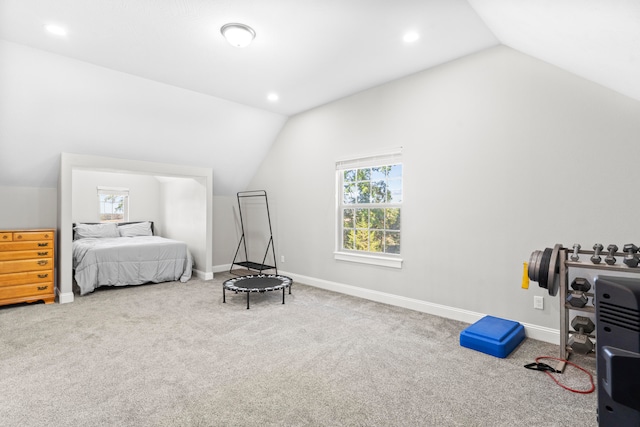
x=598, y=40
x=309, y=52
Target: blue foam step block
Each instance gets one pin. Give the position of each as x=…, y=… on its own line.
x=492, y=335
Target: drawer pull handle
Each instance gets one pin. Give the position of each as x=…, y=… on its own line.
x=42, y=288
x=43, y=253
x=43, y=276
x=43, y=262
x=42, y=245
x=5, y=237
x=19, y=236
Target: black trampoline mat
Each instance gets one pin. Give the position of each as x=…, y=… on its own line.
x=259, y=282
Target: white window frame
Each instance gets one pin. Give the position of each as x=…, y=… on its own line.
x=115, y=191
x=388, y=157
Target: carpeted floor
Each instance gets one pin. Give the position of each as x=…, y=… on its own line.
x=173, y=354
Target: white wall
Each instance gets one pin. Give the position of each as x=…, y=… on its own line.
x=503, y=155
x=144, y=195
x=51, y=104
x=27, y=207
x=226, y=232
x=184, y=216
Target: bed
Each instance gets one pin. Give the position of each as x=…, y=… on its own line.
x=122, y=254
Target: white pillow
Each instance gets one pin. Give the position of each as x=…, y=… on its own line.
x=83, y=231
x=134, y=230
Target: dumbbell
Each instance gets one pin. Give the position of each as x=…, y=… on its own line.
x=577, y=297
x=580, y=342
x=595, y=258
x=576, y=248
x=631, y=258
x=611, y=258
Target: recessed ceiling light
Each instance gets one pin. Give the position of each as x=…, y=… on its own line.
x=411, y=37
x=273, y=97
x=56, y=30
x=238, y=35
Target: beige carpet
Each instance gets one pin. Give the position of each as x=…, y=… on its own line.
x=173, y=354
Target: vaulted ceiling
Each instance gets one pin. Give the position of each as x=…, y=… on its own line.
x=310, y=52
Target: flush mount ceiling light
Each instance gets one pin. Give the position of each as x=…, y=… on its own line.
x=238, y=35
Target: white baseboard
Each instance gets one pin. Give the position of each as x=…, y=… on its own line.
x=202, y=275
x=532, y=331
x=64, y=297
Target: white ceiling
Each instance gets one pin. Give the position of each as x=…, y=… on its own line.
x=311, y=52
x=596, y=39
x=314, y=51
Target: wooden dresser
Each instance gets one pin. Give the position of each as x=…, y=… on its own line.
x=27, y=266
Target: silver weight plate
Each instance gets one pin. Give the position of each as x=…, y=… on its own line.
x=534, y=265
x=553, y=277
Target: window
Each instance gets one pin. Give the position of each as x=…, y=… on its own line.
x=113, y=204
x=369, y=210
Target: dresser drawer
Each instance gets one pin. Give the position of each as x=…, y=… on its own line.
x=35, y=254
x=25, y=246
x=32, y=235
x=6, y=237
x=13, y=279
x=26, y=290
x=26, y=265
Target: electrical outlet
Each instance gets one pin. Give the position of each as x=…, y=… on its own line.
x=538, y=302
x=282, y=258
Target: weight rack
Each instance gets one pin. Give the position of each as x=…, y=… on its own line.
x=551, y=269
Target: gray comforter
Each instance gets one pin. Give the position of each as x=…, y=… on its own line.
x=121, y=261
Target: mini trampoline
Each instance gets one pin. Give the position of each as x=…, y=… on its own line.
x=257, y=283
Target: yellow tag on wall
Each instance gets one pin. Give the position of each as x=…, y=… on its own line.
x=525, y=275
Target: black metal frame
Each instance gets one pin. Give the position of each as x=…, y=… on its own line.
x=250, y=265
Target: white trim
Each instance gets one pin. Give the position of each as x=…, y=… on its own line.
x=383, y=261
x=370, y=158
x=536, y=332
x=119, y=191
x=64, y=297
x=203, y=275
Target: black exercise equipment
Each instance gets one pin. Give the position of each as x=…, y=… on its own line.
x=257, y=283
x=252, y=265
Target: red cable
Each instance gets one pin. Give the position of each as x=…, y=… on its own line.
x=593, y=386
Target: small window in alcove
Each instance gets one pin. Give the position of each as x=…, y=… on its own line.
x=113, y=204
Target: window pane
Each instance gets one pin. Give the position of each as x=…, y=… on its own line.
x=392, y=217
x=362, y=240
x=362, y=218
x=349, y=175
x=112, y=207
x=379, y=173
x=364, y=192
x=375, y=242
x=349, y=193
x=364, y=174
x=378, y=191
x=392, y=242
x=348, y=239
x=376, y=219
x=394, y=194
x=395, y=171
x=347, y=218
